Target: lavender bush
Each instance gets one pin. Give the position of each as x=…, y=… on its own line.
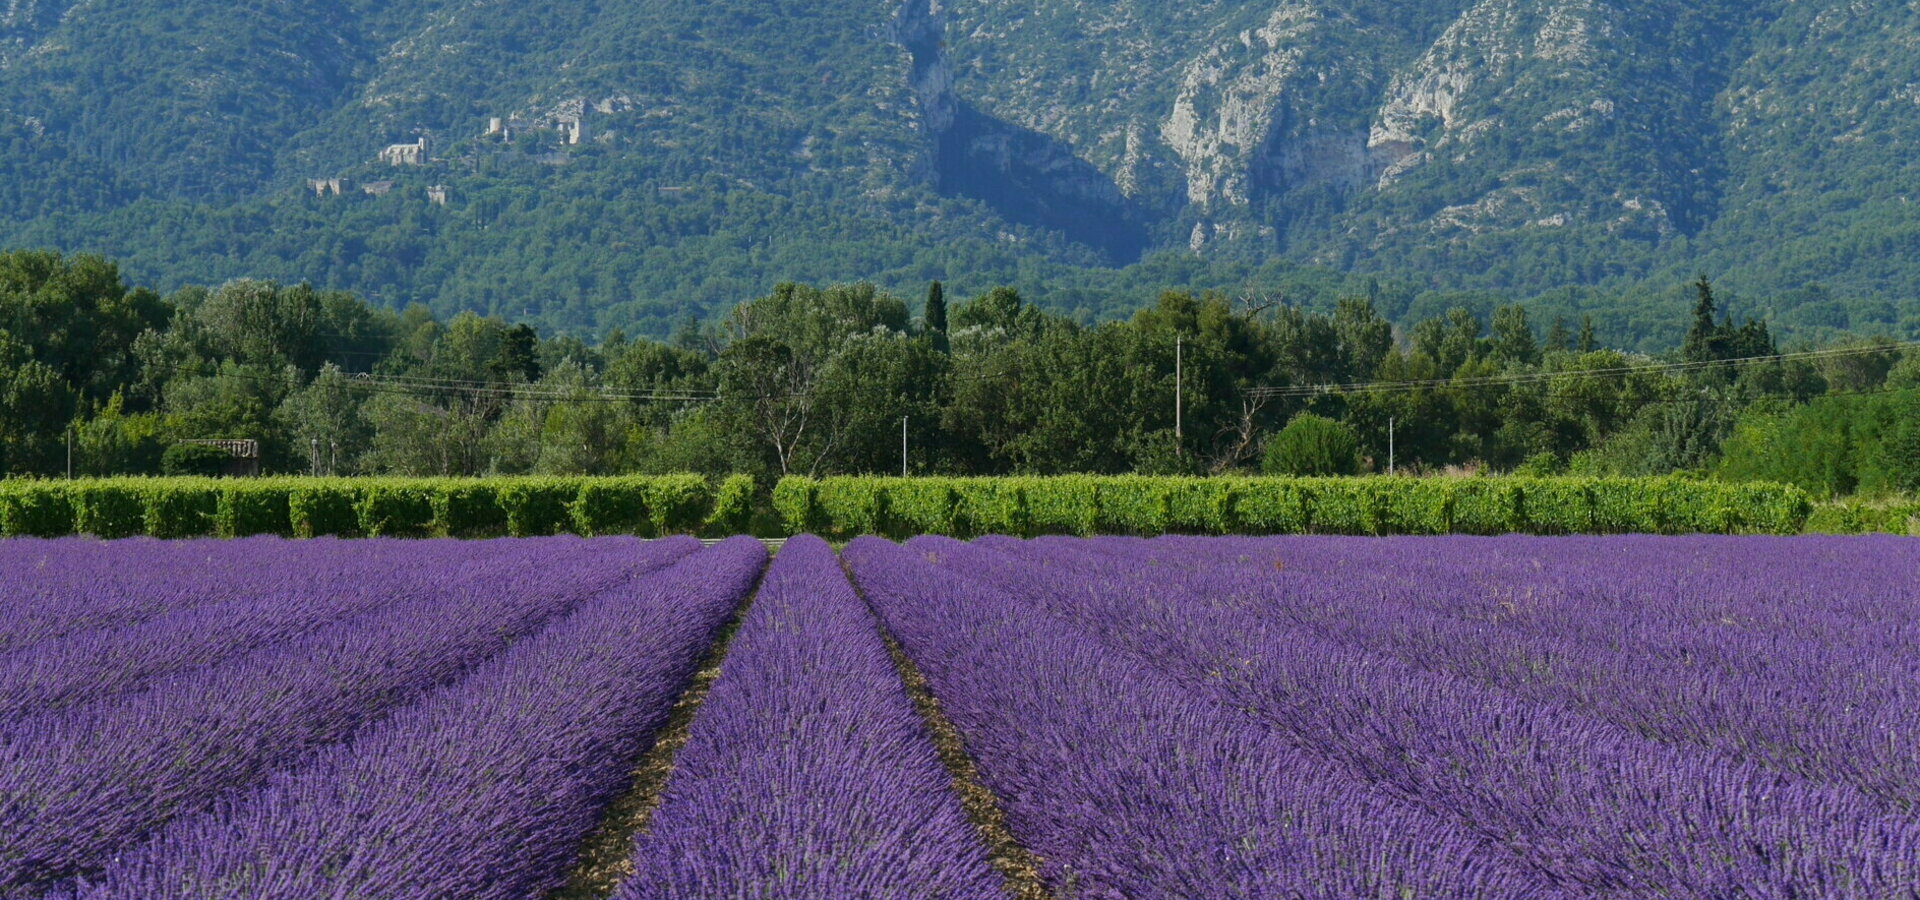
x=1129, y=784
x=483, y=789
x=53, y=588
x=307, y=586
x=77, y=785
x=1591, y=804
x=808, y=774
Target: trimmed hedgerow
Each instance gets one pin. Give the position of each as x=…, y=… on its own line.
x=896, y=507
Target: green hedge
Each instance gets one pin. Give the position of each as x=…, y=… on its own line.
x=377, y=507
x=190, y=509
x=1853, y=517
x=733, y=508
x=896, y=507
x=249, y=508
x=844, y=507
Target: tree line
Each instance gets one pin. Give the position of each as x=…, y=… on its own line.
x=829, y=380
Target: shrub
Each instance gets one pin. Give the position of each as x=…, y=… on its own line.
x=850, y=505
x=923, y=506
x=1485, y=506
x=732, y=511
x=317, y=507
x=679, y=504
x=248, y=508
x=1312, y=445
x=35, y=509
x=1410, y=505
x=1127, y=505
x=1068, y=504
x=396, y=508
x=108, y=509
x=194, y=459
x=538, y=506
x=1557, y=505
x=1271, y=506
x=991, y=506
x=793, y=502
x=182, y=508
x=612, y=506
x=468, y=509
x=1201, y=505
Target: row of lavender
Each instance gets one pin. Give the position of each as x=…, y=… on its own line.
x=1517, y=717
x=809, y=773
x=210, y=686
x=1175, y=717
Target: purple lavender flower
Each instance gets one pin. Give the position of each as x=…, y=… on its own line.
x=808, y=774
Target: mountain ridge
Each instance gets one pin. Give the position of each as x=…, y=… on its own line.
x=656, y=160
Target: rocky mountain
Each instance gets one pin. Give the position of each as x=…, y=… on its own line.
x=591, y=163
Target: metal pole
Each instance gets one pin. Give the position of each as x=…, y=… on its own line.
x=1389, y=445
x=313, y=456
x=903, y=446
x=1179, y=385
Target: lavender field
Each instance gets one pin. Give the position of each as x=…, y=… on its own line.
x=1302, y=717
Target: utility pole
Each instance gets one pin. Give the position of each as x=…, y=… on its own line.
x=1179, y=384
x=1389, y=445
x=313, y=456
x=903, y=446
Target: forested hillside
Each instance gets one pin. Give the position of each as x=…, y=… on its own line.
x=583, y=165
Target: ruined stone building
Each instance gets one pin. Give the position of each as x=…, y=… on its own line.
x=413, y=154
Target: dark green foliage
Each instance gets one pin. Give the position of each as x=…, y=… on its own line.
x=924, y=506
x=793, y=500
x=1313, y=445
x=1066, y=504
x=108, y=509
x=35, y=509
x=194, y=460
x=613, y=506
x=396, y=509
x=183, y=509
x=468, y=509
x=818, y=381
x=324, y=508
x=1351, y=506
x=249, y=508
x=1273, y=506
x=733, y=508
x=1488, y=506
x=539, y=506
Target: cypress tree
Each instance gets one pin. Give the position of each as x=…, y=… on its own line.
x=1704, y=334
x=1558, y=338
x=936, y=307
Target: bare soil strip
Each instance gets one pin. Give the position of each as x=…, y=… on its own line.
x=1015, y=862
x=606, y=858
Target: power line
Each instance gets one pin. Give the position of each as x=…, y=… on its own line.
x=1521, y=378
x=420, y=386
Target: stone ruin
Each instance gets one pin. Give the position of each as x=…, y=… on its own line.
x=413, y=154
